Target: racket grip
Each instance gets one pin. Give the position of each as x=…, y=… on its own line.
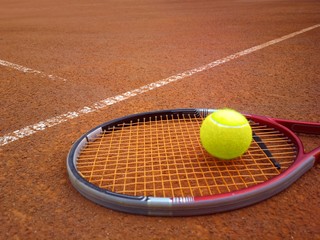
x=300, y=127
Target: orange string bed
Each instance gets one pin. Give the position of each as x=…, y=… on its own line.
x=164, y=158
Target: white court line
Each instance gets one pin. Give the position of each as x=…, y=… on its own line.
x=40, y=126
x=29, y=70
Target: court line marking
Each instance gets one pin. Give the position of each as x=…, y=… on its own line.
x=42, y=125
x=30, y=70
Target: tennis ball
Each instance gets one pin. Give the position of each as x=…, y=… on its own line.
x=225, y=134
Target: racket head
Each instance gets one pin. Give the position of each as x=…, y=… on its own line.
x=187, y=204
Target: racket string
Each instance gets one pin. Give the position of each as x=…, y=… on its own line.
x=164, y=158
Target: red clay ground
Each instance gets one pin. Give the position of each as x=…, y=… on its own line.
x=104, y=48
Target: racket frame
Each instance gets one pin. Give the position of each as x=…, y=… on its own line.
x=186, y=206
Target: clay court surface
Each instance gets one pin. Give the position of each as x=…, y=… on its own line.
x=58, y=57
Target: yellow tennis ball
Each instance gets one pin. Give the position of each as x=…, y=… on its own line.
x=226, y=134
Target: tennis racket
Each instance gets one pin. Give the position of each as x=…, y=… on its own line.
x=153, y=163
